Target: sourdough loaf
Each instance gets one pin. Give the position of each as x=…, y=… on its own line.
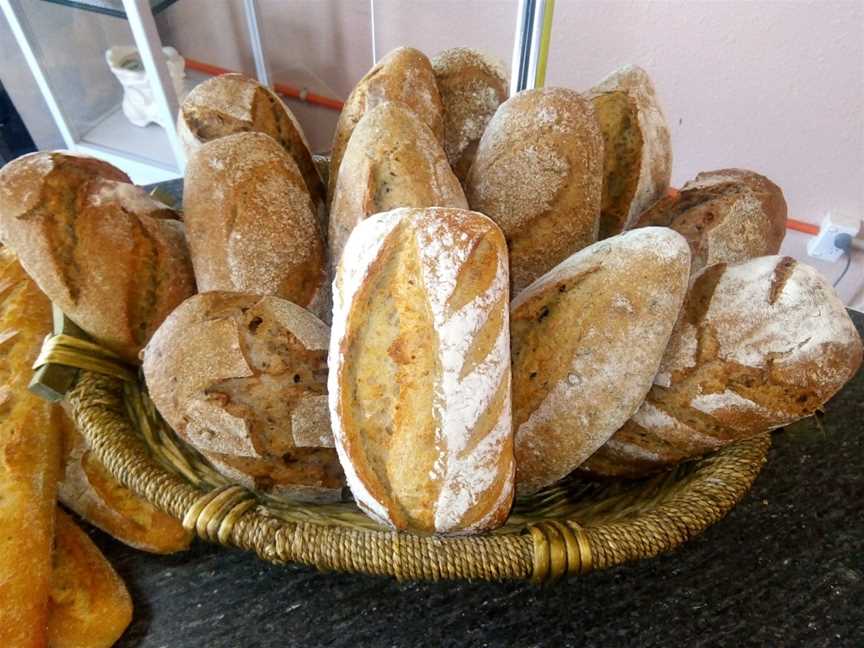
x=251, y=225
x=392, y=160
x=419, y=377
x=727, y=216
x=587, y=339
x=538, y=173
x=112, y=258
x=472, y=86
x=759, y=345
x=404, y=75
x=244, y=376
x=638, y=151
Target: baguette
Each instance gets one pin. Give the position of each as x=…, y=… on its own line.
x=587, y=339
x=760, y=344
x=419, y=379
x=538, y=173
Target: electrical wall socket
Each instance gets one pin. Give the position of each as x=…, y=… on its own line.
x=822, y=245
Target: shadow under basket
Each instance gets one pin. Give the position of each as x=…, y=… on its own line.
x=573, y=527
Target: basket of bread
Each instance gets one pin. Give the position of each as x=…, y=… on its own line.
x=484, y=339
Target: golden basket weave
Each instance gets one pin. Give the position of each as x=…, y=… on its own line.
x=571, y=528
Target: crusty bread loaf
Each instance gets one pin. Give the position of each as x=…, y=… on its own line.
x=472, y=86
x=727, y=216
x=90, y=606
x=251, y=225
x=419, y=377
x=30, y=446
x=89, y=489
x=404, y=75
x=392, y=160
x=587, y=339
x=538, y=173
x=233, y=103
x=638, y=150
x=245, y=376
x=112, y=258
x=759, y=345
x=322, y=164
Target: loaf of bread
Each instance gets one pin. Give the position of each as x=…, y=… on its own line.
x=419, y=377
x=587, y=340
x=404, y=75
x=759, y=345
x=90, y=606
x=89, y=489
x=243, y=377
x=538, y=173
x=30, y=446
x=638, y=151
x=472, y=86
x=727, y=216
x=251, y=225
x=392, y=160
x=112, y=258
x=231, y=104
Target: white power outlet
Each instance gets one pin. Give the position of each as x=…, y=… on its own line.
x=822, y=245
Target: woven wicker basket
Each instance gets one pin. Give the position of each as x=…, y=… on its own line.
x=571, y=528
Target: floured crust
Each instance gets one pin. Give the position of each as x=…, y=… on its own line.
x=538, y=173
x=419, y=370
x=587, y=339
x=727, y=216
x=760, y=345
x=654, y=169
x=393, y=160
x=404, y=75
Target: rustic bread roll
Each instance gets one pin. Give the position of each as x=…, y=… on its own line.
x=727, y=216
x=250, y=223
x=393, y=160
x=538, y=173
x=759, y=345
x=472, y=86
x=90, y=606
x=322, y=164
x=420, y=370
x=245, y=376
x=112, y=258
x=404, y=75
x=638, y=151
x=587, y=339
x=231, y=104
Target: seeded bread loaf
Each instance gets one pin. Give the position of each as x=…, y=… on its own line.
x=251, y=225
x=759, y=345
x=112, y=258
x=472, y=86
x=727, y=216
x=231, y=104
x=392, y=160
x=538, y=173
x=244, y=376
x=638, y=151
x=419, y=377
x=404, y=75
x=587, y=339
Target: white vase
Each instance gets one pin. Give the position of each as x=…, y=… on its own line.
x=139, y=105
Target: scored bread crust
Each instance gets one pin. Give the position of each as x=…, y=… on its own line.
x=250, y=222
x=111, y=257
x=759, y=345
x=538, y=173
x=727, y=216
x=419, y=377
x=472, y=86
x=392, y=160
x=404, y=75
x=587, y=339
